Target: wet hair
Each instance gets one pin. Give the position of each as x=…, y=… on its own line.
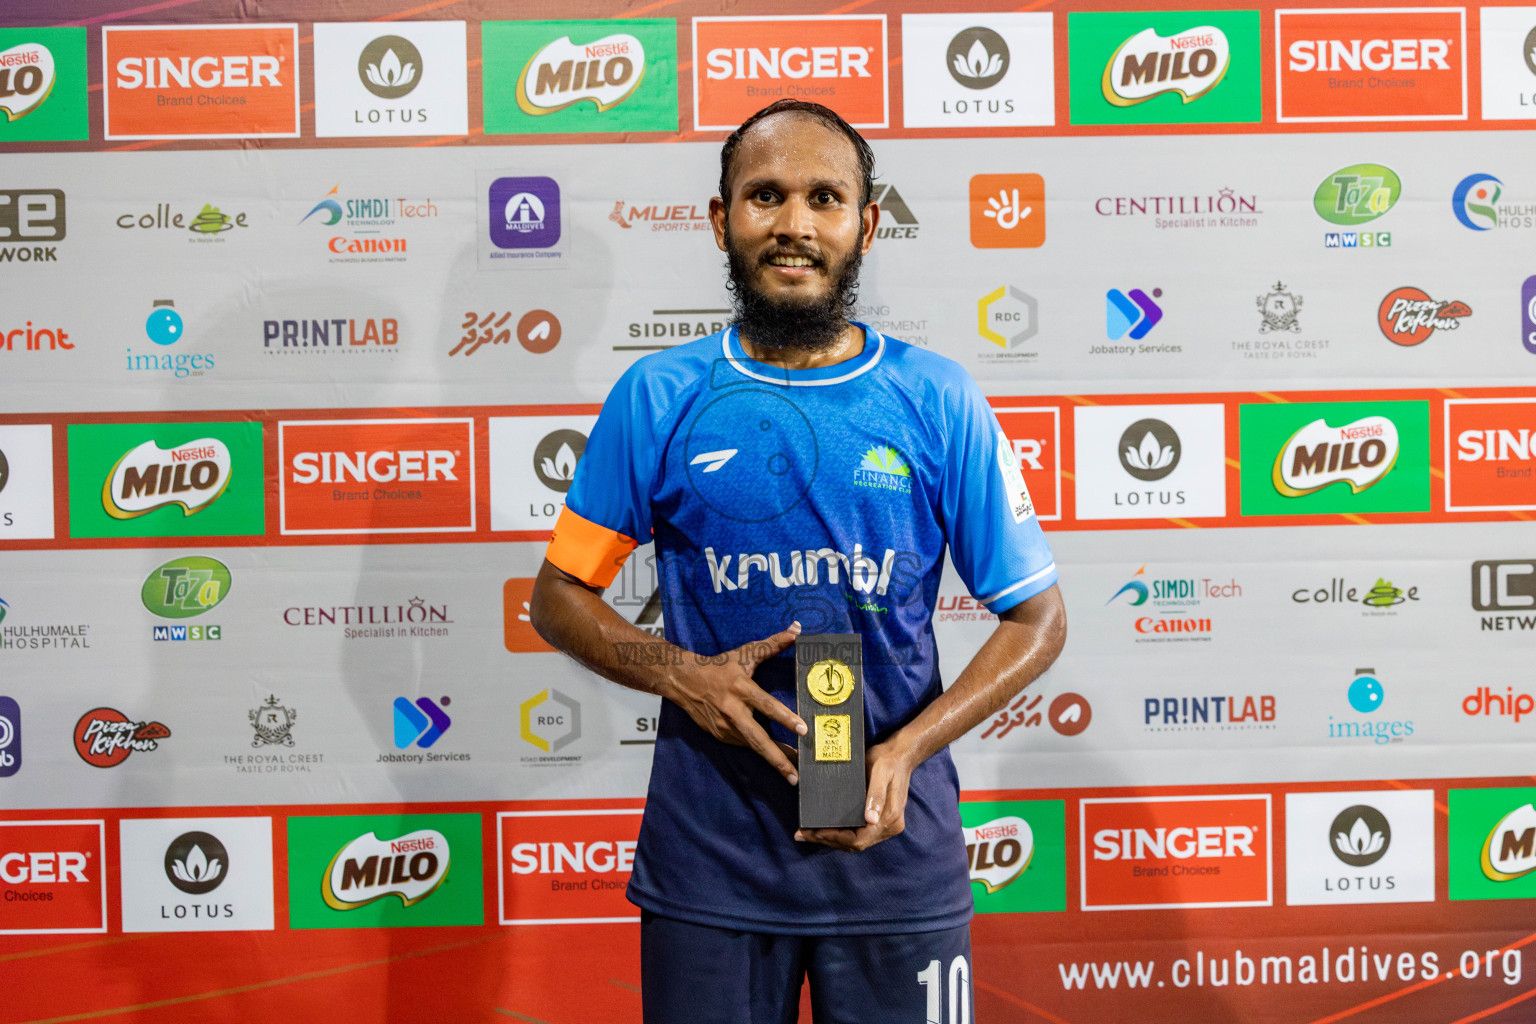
x=828, y=117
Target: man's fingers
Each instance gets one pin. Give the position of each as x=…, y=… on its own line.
x=775, y=709
x=791, y=753
x=849, y=839
x=758, y=651
x=758, y=739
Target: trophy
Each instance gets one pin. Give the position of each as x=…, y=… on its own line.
x=829, y=683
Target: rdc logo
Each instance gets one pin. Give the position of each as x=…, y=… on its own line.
x=10, y=737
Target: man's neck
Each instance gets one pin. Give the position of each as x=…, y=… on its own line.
x=849, y=344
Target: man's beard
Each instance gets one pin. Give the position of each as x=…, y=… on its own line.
x=809, y=324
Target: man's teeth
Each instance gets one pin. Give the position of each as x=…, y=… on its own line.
x=792, y=261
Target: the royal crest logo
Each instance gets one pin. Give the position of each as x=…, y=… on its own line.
x=1408, y=316
x=1509, y=852
x=1190, y=63
x=191, y=475
x=369, y=868
x=26, y=78
x=999, y=851
x=273, y=724
x=104, y=737
x=1318, y=455
x=604, y=72
x=1279, y=308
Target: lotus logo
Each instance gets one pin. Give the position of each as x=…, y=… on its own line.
x=1190, y=63
x=26, y=78
x=369, y=868
x=1359, y=454
x=390, y=67
x=555, y=458
x=1149, y=449
x=196, y=863
x=978, y=58
x=1509, y=852
x=1360, y=835
x=999, y=851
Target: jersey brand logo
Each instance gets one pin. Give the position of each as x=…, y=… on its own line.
x=866, y=575
x=712, y=461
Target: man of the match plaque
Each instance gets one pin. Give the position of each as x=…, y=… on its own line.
x=829, y=673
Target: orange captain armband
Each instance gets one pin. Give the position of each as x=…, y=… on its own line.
x=591, y=553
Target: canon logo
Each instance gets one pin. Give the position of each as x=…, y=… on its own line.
x=601, y=857
x=791, y=62
x=254, y=71
x=41, y=867
x=1181, y=843
x=378, y=467
x=1369, y=55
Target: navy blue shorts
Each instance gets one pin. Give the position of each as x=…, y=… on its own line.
x=697, y=974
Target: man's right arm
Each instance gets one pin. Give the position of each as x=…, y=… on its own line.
x=718, y=693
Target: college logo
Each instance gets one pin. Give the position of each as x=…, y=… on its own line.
x=1378, y=599
x=104, y=737
x=1408, y=316
x=1150, y=461
x=201, y=81
x=52, y=877
x=190, y=475
x=1294, y=458
x=566, y=866
x=1143, y=853
x=10, y=736
x=1164, y=67
x=42, y=85
x=742, y=63
x=1370, y=64
x=1362, y=847
x=196, y=874
x=377, y=476
x=966, y=71
x=533, y=464
x=580, y=76
x=273, y=724
x=1007, y=211
x=384, y=871
x=29, y=216
x=26, y=482
x=1016, y=851
x=1508, y=62
x=1490, y=454
x=410, y=81
x=1035, y=434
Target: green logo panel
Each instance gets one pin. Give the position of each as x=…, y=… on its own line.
x=1492, y=844
x=1017, y=868
x=1156, y=67
x=233, y=507
x=42, y=85
x=1290, y=452
x=402, y=876
x=579, y=76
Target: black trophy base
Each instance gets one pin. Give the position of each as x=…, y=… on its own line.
x=829, y=674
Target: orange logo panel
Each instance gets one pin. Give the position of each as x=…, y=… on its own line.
x=1007, y=211
x=1491, y=455
x=1175, y=852
x=201, y=81
x=1370, y=65
x=377, y=476
x=565, y=868
x=517, y=631
x=1035, y=434
x=53, y=875
x=740, y=65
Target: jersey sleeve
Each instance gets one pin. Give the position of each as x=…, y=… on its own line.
x=994, y=536
x=607, y=511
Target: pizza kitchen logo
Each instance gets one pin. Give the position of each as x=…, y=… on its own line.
x=1408, y=316
x=104, y=737
x=1189, y=63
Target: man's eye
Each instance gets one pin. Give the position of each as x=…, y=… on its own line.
x=765, y=196
x=826, y=198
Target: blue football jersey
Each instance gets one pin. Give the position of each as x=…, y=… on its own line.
x=826, y=496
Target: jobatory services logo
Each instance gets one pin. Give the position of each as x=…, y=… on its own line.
x=185, y=479
x=741, y=64
x=1508, y=62
x=1374, y=846
x=1150, y=461
x=26, y=482
x=1315, y=458
x=10, y=737
x=43, y=85
x=1491, y=844
x=1505, y=585
x=1164, y=67
x=52, y=877
x=1371, y=64
x=579, y=76
x=409, y=80
x=196, y=874
x=978, y=70
x=1017, y=854
x=1490, y=454
x=1131, y=313
x=533, y=464
x=1407, y=316
x=28, y=218
x=1356, y=195
x=105, y=737
x=1144, y=853
x=566, y=866
x=384, y=871
x=201, y=81
x=420, y=723
x=550, y=721
x=1366, y=695
x=1007, y=211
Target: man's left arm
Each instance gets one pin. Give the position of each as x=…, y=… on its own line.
x=1028, y=638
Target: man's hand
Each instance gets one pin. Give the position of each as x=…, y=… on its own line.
x=885, y=809
x=721, y=697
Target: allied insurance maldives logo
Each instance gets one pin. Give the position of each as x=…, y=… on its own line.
x=201, y=81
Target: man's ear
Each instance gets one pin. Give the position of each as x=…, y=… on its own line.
x=871, y=219
x=717, y=214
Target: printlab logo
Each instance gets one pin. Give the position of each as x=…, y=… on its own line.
x=1149, y=449
x=1132, y=313
x=1408, y=316
x=104, y=737
x=10, y=732
x=1360, y=835
x=273, y=724
x=555, y=458
x=1007, y=211
x=550, y=721
x=196, y=863
x=420, y=724
x=42, y=84
x=390, y=67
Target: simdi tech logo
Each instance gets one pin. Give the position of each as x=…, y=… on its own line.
x=1371, y=64
x=1490, y=454
x=53, y=877
x=384, y=871
x=201, y=81
x=1491, y=844
x=579, y=76
x=166, y=480
x=741, y=64
x=1017, y=854
x=977, y=70
x=43, y=85
x=1164, y=67
x=1315, y=458
x=566, y=867
x=408, y=79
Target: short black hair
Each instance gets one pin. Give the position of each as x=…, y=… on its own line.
x=828, y=117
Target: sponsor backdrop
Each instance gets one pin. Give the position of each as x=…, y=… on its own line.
x=308, y=311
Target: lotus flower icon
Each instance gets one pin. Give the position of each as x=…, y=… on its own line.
x=196, y=862
x=1149, y=454
x=1360, y=841
x=977, y=62
x=562, y=466
x=197, y=868
x=977, y=57
x=1149, y=449
x=390, y=67
x=390, y=73
x=1360, y=835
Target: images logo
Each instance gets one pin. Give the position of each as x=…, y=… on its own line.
x=1366, y=695
x=550, y=721
x=566, y=867
x=201, y=81
x=164, y=325
x=1142, y=853
x=422, y=727
x=184, y=588
x=1408, y=316
x=1292, y=456
x=42, y=85
x=10, y=736
x=192, y=475
x=104, y=737
x=976, y=70
x=1148, y=65
x=1007, y=211
x=1474, y=199
x=1135, y=313
x=1357, y=194
x=580, y=76
x=54, y=877
x=525, y=213
x=1494, y=454
x=1376, y=64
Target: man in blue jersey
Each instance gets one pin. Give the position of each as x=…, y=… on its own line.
x=800, y=472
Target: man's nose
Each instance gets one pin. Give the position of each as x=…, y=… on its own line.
x=794, y=219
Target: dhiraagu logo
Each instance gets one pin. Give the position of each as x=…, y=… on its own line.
x=883, y=468
x=1357, y=194
x=1017, y=853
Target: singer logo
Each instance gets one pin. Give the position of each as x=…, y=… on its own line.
x=377, y=476
x=566, y=867
x=52, y=877
x=743, y=64
x=201, y=81
x=1371, y=64
x=1490, y=462
x=1199, y=851
x=191, y=475
x=369, y=868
